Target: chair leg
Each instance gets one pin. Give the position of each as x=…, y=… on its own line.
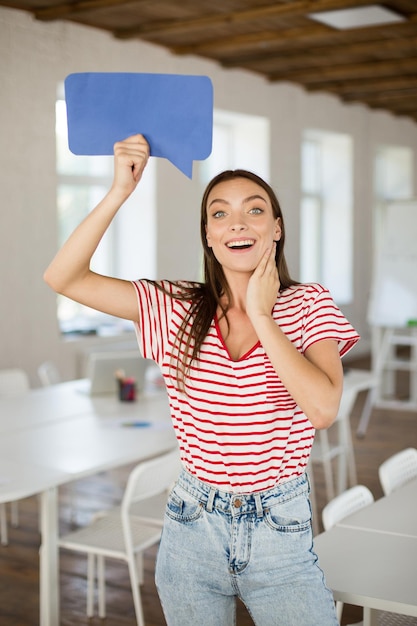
x=327, y=464
x=90, y=584
x=139, y=567
x=101, y=587
x=366, y=413
x=72, y=504
x=347, y=476
x=14, y=514
x=339, y=610
x=134, y=581
x=3, y=525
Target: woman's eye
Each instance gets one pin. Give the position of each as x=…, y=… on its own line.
x=256, y=210
x=219, y=214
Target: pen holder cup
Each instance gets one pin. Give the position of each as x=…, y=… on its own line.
x=127, y=390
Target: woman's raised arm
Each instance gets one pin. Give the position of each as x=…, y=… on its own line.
x=69, y=272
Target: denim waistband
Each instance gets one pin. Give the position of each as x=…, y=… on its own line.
x=237, y=503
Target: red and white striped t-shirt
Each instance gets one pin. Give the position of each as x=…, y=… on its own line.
x=237, y=426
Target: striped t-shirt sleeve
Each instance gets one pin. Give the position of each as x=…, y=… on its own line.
x=154, y=313
x=324, y=320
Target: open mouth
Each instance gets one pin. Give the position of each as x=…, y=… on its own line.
x=240, y=245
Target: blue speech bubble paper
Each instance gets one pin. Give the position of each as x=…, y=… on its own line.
x=173, y=111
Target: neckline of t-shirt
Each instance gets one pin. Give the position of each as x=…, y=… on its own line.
x=222, y=341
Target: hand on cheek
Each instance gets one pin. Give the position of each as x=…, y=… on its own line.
x=263, y=285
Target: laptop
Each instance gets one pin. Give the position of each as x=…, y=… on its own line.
x=103, y=367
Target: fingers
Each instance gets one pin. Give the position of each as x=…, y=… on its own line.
x=131, y=156
x=267, y=262
x=135, y=146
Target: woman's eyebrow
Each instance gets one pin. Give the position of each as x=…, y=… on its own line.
x=245, y=201
x=217, y=200
x=254, y=197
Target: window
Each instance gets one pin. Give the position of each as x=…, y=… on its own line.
x=128, y=248
x=239, y=142
x=326, y=212
x=393, y=180
x=394, y=173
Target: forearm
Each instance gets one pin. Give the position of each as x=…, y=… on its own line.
x=315, y=385
x=72, y=262
x=69, y=273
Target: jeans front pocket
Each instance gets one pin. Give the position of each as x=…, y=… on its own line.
x=290, y=516
x=183, y=507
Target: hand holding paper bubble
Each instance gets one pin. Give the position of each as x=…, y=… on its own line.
x=174, y=112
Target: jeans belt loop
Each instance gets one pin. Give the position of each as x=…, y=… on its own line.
x=258, y=503
x=210, y=500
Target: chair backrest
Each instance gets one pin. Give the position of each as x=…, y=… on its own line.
x=398, y=469
x=13, y=382
x=151, y=478
x=48, y=374
x=345, y=504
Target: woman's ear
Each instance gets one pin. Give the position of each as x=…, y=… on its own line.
x=208, y=238
x=277, y=232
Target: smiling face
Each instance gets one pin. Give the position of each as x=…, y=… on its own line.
x=241, y=224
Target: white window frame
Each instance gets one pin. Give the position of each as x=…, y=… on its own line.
x=326, y=224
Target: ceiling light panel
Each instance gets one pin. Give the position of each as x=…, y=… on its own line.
x=372, y=15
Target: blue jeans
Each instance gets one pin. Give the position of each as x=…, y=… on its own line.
x=217, y=546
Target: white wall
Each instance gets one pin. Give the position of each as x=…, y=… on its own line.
x=34, y=58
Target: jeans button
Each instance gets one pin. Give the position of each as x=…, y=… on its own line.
x=237, y=503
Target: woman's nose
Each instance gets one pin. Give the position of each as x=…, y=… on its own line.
x=238, y=225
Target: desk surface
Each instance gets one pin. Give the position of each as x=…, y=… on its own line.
x=42, y=406
x=55, y=435
x=370, y=569
x=395, y=515
x=370, y=558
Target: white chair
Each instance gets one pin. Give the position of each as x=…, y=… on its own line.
x=125, y=532
x=335, y=443
x=346, y=504
x=48, y=374
x=13, y=381
x=341, y=506
x=398, y=469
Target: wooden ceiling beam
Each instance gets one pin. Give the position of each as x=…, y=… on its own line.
x=261, y=39
x=354, y=70
x=289, y=9
x=406, y=96
x=405, y=92
x=70, y=9
x=366, y=86
x=319, y=54
x=315, y=35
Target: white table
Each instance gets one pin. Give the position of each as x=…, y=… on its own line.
x=58, y=434
x=370, y=558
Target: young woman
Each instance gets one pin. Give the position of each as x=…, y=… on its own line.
x=251, y=362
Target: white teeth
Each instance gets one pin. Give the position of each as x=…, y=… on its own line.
x=240, y=244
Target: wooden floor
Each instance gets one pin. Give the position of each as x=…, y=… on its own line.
x=388, y=432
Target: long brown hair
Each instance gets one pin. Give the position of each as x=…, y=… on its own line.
x=206, y=297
